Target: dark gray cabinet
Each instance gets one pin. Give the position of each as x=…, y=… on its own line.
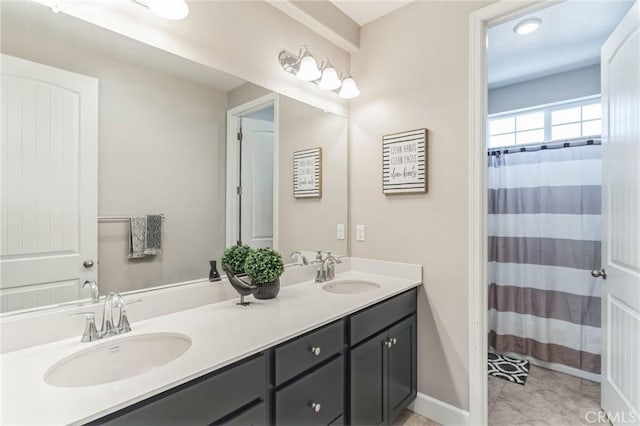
x=383, y=367
x=367, y=391
x=203, y=401
x=402, y=367
x=303, y=353
x=359, y=370
x=315, y=399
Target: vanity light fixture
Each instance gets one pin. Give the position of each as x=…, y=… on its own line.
x=527, y=26
x=308, y=67
x=329, y=79
x=305, y=67
x=172, y=10
x=349, y=88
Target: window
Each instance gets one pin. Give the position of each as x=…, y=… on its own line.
x=565, y=120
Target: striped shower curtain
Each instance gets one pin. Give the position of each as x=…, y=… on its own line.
x=544, y=239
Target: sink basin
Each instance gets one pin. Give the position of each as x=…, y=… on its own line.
x=117, y=359
x=349, y=286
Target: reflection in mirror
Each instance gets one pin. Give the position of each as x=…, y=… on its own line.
x=100, y=125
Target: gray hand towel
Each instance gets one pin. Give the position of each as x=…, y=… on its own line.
x=154, y=235
x=137, y=236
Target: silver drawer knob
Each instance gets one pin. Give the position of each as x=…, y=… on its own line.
x=394, y=341
x=388, y=343
x=315, y=350
x=315, y=407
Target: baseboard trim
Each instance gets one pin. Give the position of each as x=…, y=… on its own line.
x=438, y=411
x=594, y=377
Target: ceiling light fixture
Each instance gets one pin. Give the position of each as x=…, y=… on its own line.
x=305, y=67
x=527, y=26
x=172, y=10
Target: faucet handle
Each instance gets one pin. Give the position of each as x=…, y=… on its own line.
x=90, y=332
x=124, y=326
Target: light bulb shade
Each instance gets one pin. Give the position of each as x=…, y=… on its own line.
x=169, y=9
x=308, y=70
x=349, y=88
x=330, y=80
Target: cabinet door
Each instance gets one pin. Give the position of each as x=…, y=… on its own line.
x=368, y=391
x=402, y=365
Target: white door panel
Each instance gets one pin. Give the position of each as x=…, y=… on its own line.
x=621, y=219
x=257, y=182
x=49, y=183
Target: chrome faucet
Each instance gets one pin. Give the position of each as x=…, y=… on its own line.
x=301, y=256
x=93, y=287
x=326, y=268
x=109, y=327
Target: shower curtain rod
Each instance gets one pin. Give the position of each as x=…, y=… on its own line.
x=537, y=146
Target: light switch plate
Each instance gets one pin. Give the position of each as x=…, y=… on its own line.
x=340, y=231
x=360, y=232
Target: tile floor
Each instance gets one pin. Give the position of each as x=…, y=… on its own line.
x=409, y=418
x=548, y=398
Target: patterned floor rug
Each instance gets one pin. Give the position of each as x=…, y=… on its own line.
x=507, y=368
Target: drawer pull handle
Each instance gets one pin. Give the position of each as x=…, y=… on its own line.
x=315, y=350
x=315, y=407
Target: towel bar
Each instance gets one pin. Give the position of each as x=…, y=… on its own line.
x=120, y=218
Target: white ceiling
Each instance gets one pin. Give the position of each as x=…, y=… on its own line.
x=570, y=37
x=365, y=11
x=35, y=17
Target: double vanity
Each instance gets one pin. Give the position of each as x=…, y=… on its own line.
x=341, y=352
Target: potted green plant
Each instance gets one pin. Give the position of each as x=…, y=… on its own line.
x=264, y=267
x=234, y=257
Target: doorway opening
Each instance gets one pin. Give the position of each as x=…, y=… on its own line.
x=534, y=133
x=251, y=173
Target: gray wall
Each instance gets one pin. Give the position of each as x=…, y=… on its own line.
x=161, y=149
x=429, y=89
x=554, y=88
x=307, y=224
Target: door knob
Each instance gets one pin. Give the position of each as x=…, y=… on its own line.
x=601, y=273
x=88, y=263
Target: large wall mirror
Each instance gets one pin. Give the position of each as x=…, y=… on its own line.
x=99, y=128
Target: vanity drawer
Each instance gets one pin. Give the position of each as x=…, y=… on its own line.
x=201, y=403
x=294, y=357
x=370, y=321
x=325, y=386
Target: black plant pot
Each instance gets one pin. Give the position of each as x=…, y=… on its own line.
x=267, y=290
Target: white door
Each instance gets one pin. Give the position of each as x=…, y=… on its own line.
x=256, y=215
x=49, y=184
x=621, y=219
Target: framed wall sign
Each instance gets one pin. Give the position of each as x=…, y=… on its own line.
x=404, y=162
x=307, y=173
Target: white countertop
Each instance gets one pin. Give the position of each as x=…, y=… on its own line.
x=221, y=333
